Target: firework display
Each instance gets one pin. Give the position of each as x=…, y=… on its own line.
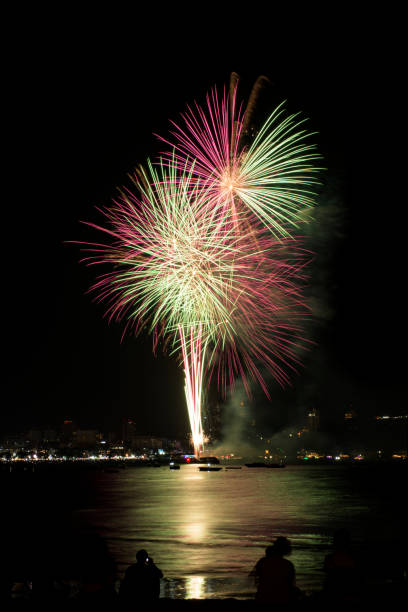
x=201, y=253
x=273, y=175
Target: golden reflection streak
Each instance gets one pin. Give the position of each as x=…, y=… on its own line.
x=195, y=587
x=195, y=532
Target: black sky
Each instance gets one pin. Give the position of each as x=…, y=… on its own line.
x=82, y=109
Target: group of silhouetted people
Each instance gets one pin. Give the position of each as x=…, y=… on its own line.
x=274, y=575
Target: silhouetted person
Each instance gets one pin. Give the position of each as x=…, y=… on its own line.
x=275, y=575
x=142, y=580
x=342, y=575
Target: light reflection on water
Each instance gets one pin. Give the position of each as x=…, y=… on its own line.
x=195, y=532
x=195, y=587
x=207, y=530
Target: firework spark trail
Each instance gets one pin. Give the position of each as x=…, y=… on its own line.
x=273, y=177
x=193, y=359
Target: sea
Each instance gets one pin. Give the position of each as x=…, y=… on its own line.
x=204, y=530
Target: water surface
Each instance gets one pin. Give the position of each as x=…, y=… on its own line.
x=207, y=530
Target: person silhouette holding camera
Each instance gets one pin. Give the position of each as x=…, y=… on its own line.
x=142, y=580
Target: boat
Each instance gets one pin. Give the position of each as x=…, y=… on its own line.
x=174, y=466
x=209, y=468
x=233, y=467
x=209, y=460
x=259, y=464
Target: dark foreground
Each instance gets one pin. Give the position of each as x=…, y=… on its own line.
x=60, y=524
x=372, y=597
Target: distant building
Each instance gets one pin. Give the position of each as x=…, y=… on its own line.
x=85, y=438
x=50, y=435
x=146, y=442
x=35, y=436
x=11, y=441
x=39, y=437
x=212, y=420
x=67, y=429
x=171, y=445
x=129, y=431
x=391, y=432
x=351, y=421
x=313, y=421
x=112, y=437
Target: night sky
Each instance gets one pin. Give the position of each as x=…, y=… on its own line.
x=82, y=109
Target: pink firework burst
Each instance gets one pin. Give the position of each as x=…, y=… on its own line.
x=273, y=176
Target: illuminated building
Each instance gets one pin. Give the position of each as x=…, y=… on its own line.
x=313, y=420
x=351, y=421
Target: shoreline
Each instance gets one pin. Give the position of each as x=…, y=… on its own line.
x=68, y=593
x=374, y=595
